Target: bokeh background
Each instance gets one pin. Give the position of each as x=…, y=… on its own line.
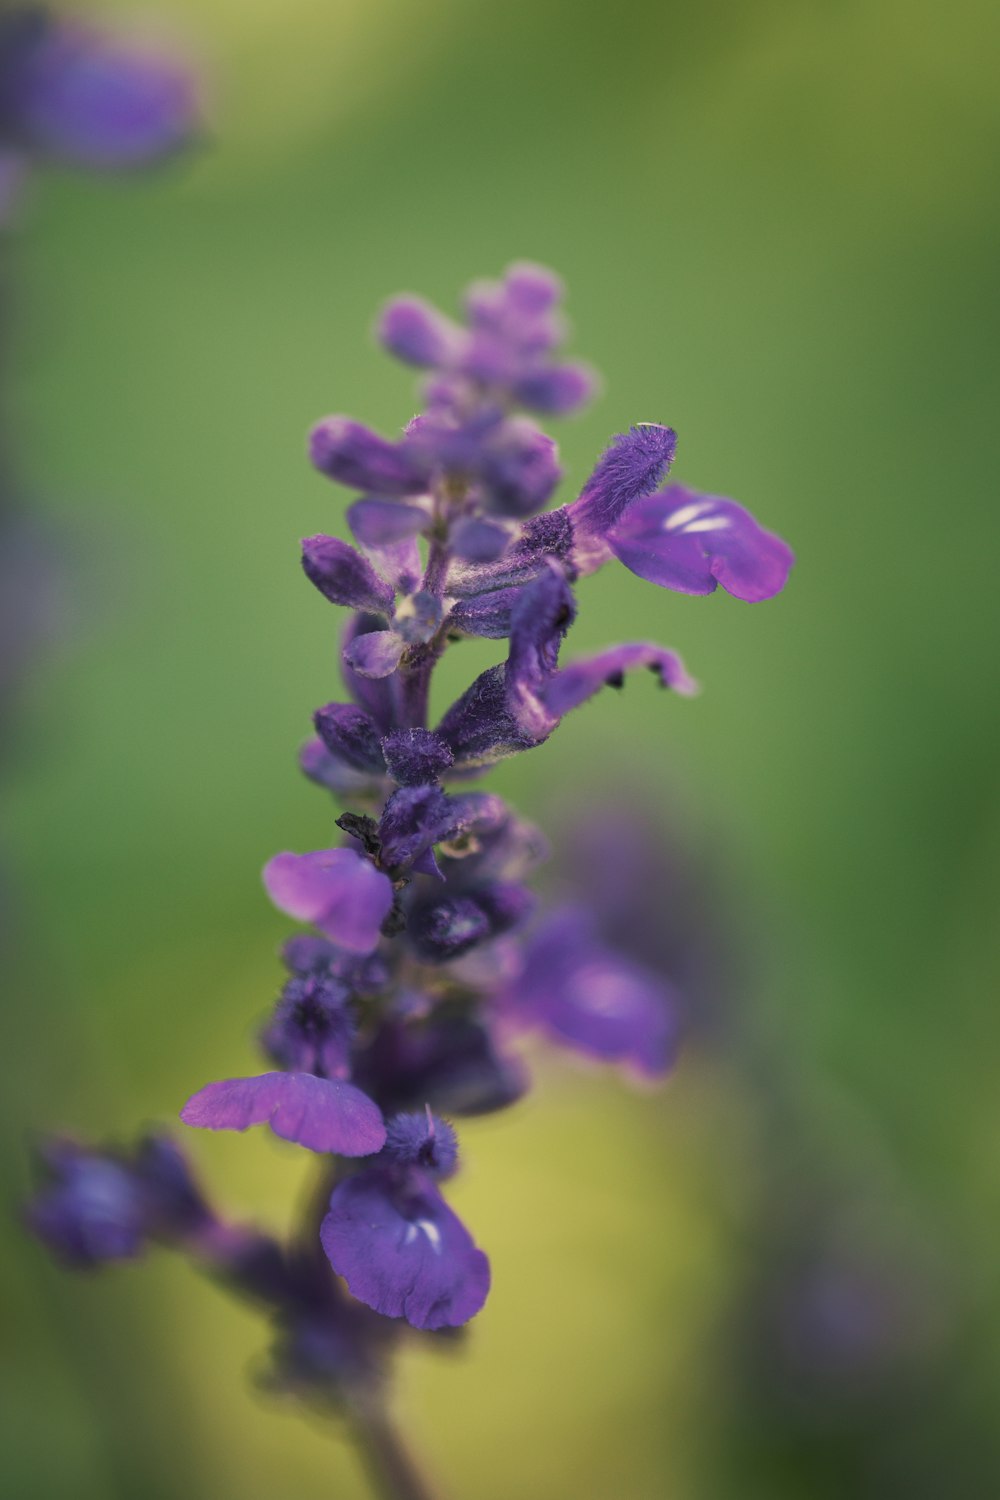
x=779, y=227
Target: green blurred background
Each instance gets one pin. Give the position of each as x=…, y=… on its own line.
x=779, y=228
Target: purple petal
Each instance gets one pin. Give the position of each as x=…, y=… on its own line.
x=102, y=102
x=579, y=681
x=352, y=454
x=633, y=464
x=322, y=1114
x=490, y=357
x=478, y=541
x=350, y=735
x=91, y=1208
x=531, y=288
x=337, y=890
x=403, y=1252
x=343, y=576
x=373, y=694
x=398, y=563
x=329, y=771
x=380, y=523
x=556, y=390
x=519, y=468
x=416, y=332
x=690, y=542
x=375, y=654
x=588, y=997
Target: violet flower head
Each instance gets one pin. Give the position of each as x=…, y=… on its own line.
x=583, y=995
x=94, y=1206
x=428, y=956
x=313, y=1027
x=397, y=1244
x=73, y=94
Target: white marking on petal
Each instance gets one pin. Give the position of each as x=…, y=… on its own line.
x=428, y=1227
x=710, y=523
x=679, y=518
x=601, y=990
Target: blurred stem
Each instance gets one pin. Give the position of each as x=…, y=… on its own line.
x=390, y=1465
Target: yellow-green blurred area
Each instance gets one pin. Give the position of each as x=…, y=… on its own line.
x=779, y=228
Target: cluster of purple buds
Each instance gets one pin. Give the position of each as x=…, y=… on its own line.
x=69, y=93
x=428, y=962
x=428, y=965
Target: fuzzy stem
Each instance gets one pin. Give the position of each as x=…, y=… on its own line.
x=390, y=1465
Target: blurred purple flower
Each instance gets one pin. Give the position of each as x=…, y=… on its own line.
x=74, y=94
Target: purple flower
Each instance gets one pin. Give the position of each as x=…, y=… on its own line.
x=631, y=466
x=375, y=654
x=327, y=770
x=381, y=523
x=519, y=469
x=343, y=576
x=395, y=1241
x=451, y=1063
x=322, y=1114
x=352, y=454
x=690, y=542
x=353, y=755
x=312, y=1028
x=418, y=334
x=102, y=1205
x=72, y=93
x=676, y=538
x=351, y=736
x=506, y=350
x=337, y=890
x=91, y=1211
x=585, y=996
x=517, y=706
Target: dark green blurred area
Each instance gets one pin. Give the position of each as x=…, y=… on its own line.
x=780, y=232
